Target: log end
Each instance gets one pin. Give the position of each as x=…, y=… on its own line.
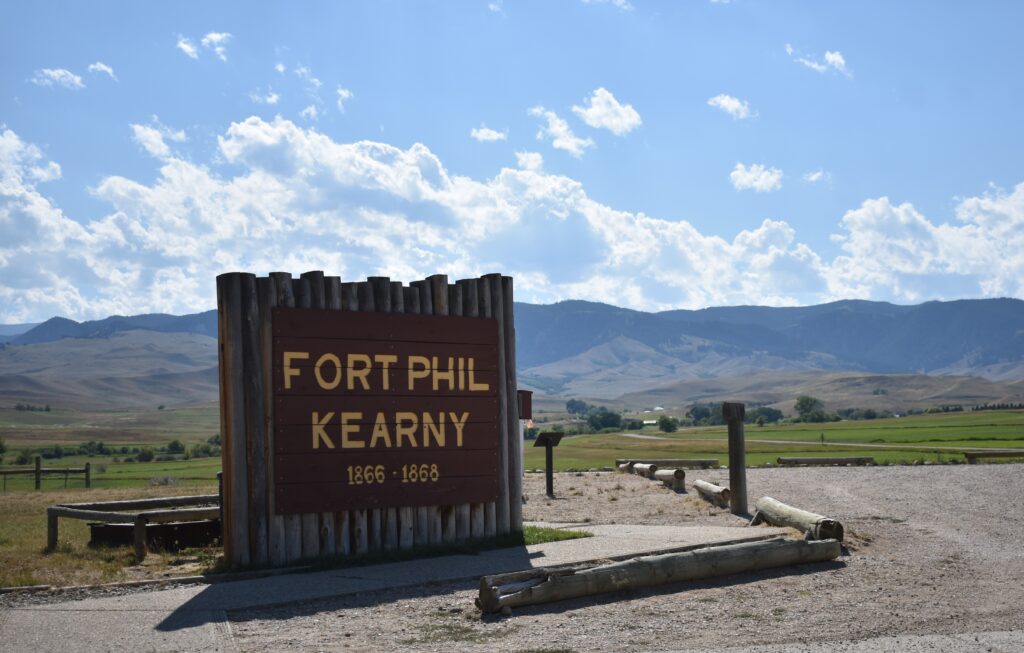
x=829, y=529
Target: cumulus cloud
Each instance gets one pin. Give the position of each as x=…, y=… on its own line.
x=270, y=97
x=153, y=137
x=624, y=5
x=344, y=95
x=187, y=46
x=485, y=134
x=833, y=60
x=757, y=177
x=217, y=41
x=738, y=109
x=605, y=112
x=310, y=112
x=279, y=67
x=293, y=198
x=100, y=67
x=815, y=176
x=57, y=77
x=561, y=135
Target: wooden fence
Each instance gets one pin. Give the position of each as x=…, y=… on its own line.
x=38, y=472
x=254, y=534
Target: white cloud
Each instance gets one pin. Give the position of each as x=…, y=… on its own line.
x=306, y=75
x=496, y=6
x=217, y=41
x=624, y=5
x=738, y=109
x=100, y=67
x=344, y=95
x=293, y=198
x=606, y=112
x=557, y=129
x=57, y=77
x=757, y=177
x=152, y=137
x=815, y=176
x=310, y=112
x=270, y=97
x=279, y=67
x=186, y=45
x=485, y=134
x=833, y=60
x=532, y=161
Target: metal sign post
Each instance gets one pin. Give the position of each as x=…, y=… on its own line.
x=549, y=441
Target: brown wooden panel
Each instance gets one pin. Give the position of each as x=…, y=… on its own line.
x=332, y=467
x=334, y=325
x=298, y=438
x=311, y=497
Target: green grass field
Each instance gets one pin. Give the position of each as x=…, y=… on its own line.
x=936, y=438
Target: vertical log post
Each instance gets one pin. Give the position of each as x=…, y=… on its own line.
x=255, y=427
x=515, y=438
x=302, y=287
x=470, y=308
x=485, y=309
x=439, y=297
x=455, y=307
x=388, y=516
x=285, y=294
x=232, y=419
x=51, y=529
x=430, y=516
x=502, y=505
x=339, y=529
x=266, y=292
x=406, y=515
x=358, y=518
x=39, y=472
x=88, y=475
x=733, y=413
x=139, y=537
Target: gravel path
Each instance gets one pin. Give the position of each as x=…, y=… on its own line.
x=932, y=550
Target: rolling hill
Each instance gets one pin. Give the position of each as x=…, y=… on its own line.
x=968, y=351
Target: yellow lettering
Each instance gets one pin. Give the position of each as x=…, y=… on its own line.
x=347, y=429
x=380, y=432
x=473, y=385
x=438, y=375
x=408, y=430
x=358, y=373
x=430, y=427
x=462, y=373
x=319, y=434
x=414, y=374
x=385, y=360
x=459, y=424
x=328, y=385
x=290, y=371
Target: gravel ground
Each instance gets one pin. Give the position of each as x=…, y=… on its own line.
x=931, y=550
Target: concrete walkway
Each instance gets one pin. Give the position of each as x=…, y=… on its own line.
x=196, y=617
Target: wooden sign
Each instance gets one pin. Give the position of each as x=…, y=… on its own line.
x=380, y=410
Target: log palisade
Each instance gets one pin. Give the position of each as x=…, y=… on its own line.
x=256, y=531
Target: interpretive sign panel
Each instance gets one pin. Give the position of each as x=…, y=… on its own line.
x=379, y=410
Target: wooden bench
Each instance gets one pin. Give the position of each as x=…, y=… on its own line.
x=848, y=460
x=972, y=456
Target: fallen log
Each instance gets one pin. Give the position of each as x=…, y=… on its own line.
x=779, y=514
x=714, y=493
x=835, y=460
x=673, y=462
x=649, y=571
x=644, y=469
x=626, y=468
x=673, y=478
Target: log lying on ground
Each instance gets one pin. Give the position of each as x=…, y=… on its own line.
x=835, y=460
x=673, y=478
x=779, y=514
x=716, y=494
x=649, y=571
x=644, y=469
x=673, y=462
x=626, y=467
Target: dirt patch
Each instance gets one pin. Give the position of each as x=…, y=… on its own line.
x=914, y=566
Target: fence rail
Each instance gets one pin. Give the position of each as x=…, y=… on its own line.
x=38, y=472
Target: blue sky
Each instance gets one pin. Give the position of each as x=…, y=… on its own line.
x=648, y=154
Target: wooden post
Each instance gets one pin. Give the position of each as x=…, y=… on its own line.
x=515, y=436
x=88, y=475
x=734, y=414
x=485, y=308
x=255, y=427
x=439, y=296
x=421, y=527
x=350, y=301
x=277, y=552
x=428, y=518
x=39, y=472
x=51, y=529
x=471, y=308
x=502, y=505
x=285, y=294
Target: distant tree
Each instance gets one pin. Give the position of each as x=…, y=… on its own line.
x=160, y=407
x=760, y=420
x=577, y=407
x=175, y=446
x=870, y=413
x=214, y=439
x=806, y=406
x=24, y=457
x=604, y=419
x=698, y=413
x=3, y=447
x=146, y=455
x=667, y=424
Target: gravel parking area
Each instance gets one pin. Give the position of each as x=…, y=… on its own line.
x=931, y=550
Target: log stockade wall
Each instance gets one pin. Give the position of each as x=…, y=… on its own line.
x=308, y=475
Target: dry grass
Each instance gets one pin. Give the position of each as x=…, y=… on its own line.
x=23, y=560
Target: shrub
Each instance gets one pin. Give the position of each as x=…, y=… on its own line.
x=667, y=424
x=146, y=455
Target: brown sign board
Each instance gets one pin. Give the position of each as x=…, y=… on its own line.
x=377, y=410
